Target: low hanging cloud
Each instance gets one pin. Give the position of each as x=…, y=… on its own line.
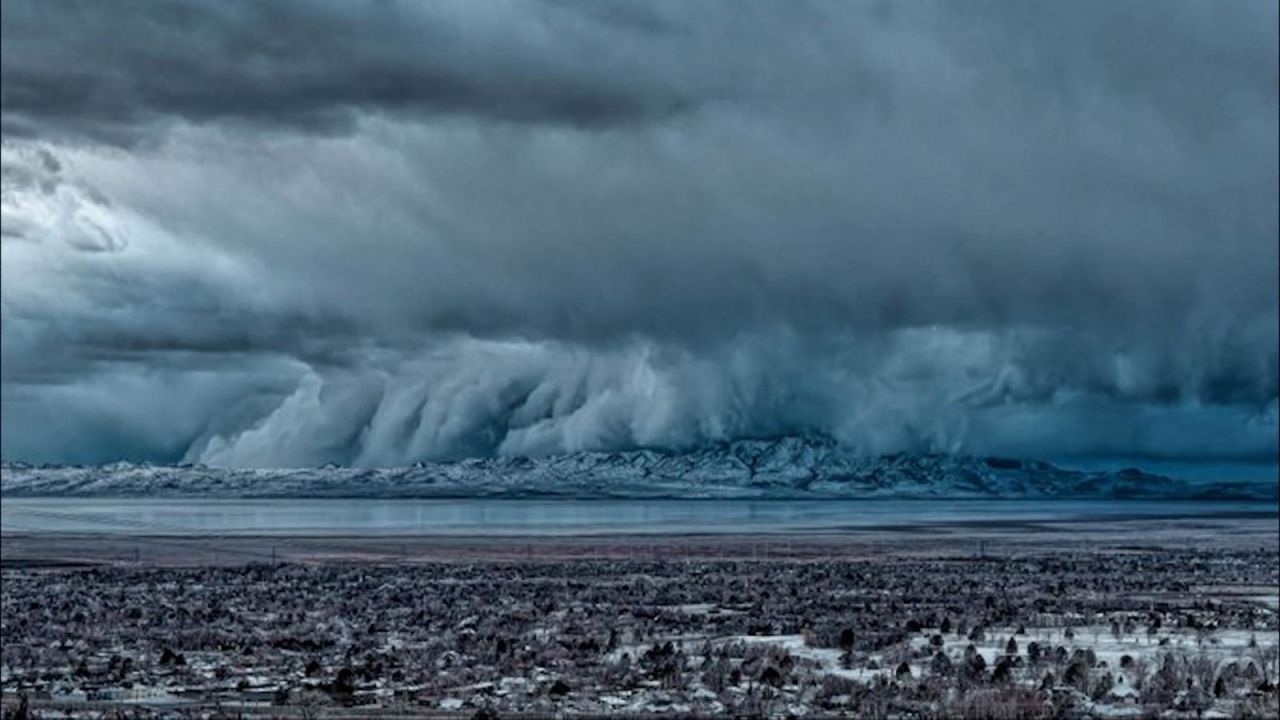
x=293, y=233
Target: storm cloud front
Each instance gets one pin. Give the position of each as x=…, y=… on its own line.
x=288, y=233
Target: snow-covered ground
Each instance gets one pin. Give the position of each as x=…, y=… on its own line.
x=827, y=637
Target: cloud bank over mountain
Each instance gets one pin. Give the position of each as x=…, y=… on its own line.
x=261, y=234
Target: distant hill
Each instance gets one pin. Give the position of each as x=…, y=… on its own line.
x=790, y=467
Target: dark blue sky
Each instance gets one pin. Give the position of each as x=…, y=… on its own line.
x=291, y=233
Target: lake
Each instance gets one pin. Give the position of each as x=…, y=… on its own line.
x=382, y=517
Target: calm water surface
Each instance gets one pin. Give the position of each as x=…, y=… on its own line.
x=561, y=517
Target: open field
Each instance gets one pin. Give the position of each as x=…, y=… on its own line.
x=990, y=621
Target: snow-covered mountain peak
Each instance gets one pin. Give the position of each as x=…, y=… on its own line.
x=812, y=467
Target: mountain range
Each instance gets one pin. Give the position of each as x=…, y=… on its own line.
x=789, y=467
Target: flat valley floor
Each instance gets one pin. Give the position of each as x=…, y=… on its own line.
x=1115, y=617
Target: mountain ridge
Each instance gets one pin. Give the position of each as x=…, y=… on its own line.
x=789, y=467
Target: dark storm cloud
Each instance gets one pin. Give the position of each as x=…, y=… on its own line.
x=292, y=233
x=115, y=71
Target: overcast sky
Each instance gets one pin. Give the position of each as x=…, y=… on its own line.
x=286, y=233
